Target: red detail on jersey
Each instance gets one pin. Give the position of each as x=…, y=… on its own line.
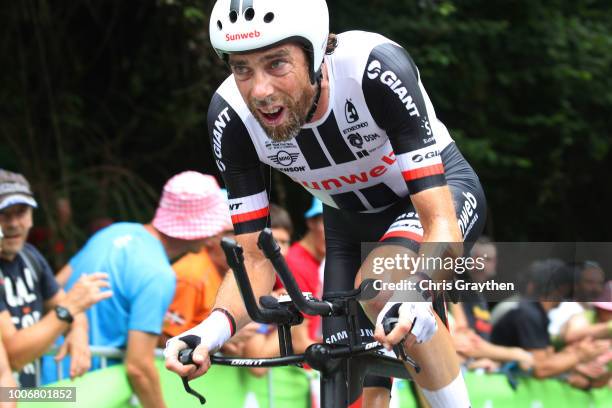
x=432, y=170
x=390, y=158
x=250, y=216
x=402, y=234
x=350, y=179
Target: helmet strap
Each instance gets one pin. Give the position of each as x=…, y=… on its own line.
x=315, y=102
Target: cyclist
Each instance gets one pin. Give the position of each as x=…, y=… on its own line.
x=347, y=117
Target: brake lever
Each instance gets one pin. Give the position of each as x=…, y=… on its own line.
x=389, y=324
x=185, y=357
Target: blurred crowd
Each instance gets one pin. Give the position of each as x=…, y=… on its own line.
x=132, y=286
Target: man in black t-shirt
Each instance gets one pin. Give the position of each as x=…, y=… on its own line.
x=527, y=325
x=31, y=291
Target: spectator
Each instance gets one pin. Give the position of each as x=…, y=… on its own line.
x=304, y=258
x=472, y=320
x=6, y=377
x=34, y=311
x=137, y=258
x=590, y=281
x=477, y=352
x=484, y=248
x=525, y=289
x=282, y=227
x=475, y=314
x=594, y=323
x=198, y=277
x=589, y=284
x=527, y=325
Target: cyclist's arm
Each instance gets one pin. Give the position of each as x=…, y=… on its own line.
x=261, y=275
x=405, y=115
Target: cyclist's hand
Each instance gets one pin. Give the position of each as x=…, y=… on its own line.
x=206, y=338
x=417, y=323
x=201, y=358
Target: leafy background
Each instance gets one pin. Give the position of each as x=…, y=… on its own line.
x=102, y=101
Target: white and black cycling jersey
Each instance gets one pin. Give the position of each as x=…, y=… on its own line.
x=378, y=142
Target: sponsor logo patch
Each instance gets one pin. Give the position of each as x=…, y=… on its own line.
x=242, y=36
x=468, y=215
x=284, y=158
x=220, y=124
x=350, y=112
x=390, y=79
x=356, y=127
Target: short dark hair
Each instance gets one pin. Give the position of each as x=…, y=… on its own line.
x=279, y=218
x=549, y=276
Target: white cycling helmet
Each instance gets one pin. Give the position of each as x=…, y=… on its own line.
x=238, y=26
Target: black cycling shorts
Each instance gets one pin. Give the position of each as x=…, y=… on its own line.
x=345, y=231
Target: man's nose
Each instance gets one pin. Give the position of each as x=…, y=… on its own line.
x=262, y=86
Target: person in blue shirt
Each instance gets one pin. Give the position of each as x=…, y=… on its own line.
x=137, y=259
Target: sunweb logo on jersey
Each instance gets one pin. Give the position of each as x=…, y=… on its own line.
x=284, y=158
x=350, y=112
x=374, y=69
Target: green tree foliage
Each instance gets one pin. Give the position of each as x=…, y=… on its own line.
x=524, y=88
x=102, y=101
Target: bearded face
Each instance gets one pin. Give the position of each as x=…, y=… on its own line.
x=280, y=116
x=276, y=87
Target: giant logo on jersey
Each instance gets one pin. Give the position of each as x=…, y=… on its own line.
x=418, y=158
x=374, y=69
x=220, y=124
x=284, y=158
x=390, y=79
x=350, y=112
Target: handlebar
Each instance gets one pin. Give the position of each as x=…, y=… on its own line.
x=271, y=250
x=336, y=304
x=235, y=260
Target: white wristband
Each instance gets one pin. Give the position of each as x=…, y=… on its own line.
x=213, y=332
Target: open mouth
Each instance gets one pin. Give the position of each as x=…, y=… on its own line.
x=272, y=116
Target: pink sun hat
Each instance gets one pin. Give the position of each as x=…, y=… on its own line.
x=192, y=207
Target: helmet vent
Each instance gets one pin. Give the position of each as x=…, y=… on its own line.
x=219, y=25
x=233, y=16
x=269, y=17
x=249, y=14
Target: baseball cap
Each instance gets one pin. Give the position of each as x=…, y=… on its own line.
x=15, y=189
x=315, y=209
x=605, y=299
x=192, y=207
